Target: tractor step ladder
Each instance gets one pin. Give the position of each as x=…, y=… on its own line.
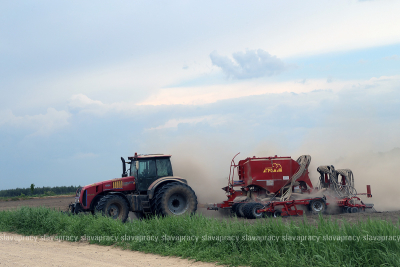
x=146, y=207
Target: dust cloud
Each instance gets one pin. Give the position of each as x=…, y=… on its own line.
x=205, y=167
x=205, y=163
x=378, y=169
x=207, y=171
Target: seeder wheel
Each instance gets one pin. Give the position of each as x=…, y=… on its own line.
x=354, y=210
x=239, y=210
x=317, y=206
x=277, y=214
x=250, y=210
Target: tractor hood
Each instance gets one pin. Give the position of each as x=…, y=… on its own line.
x=89, y=192
x=125, y=183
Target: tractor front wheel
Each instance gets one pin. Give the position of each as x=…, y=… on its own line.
x=75, y=208
x=113, y=206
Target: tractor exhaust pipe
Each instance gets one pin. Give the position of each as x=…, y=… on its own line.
x=369, y=191
x=124, y=174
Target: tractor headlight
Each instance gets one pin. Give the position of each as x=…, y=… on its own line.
x=78, y=194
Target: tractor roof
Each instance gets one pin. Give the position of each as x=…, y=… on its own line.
x=146, y=156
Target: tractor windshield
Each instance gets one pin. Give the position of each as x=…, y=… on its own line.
x=148, y=170
x=151, y=168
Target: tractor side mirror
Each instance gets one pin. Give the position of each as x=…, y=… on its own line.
x=137, y=165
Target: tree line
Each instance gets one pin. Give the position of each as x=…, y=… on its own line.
x=56, y=190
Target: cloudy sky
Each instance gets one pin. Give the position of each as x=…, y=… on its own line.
x=83, y=83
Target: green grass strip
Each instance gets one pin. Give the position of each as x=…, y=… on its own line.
x=267, y=242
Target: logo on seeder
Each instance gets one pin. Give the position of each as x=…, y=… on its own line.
x=275, y=168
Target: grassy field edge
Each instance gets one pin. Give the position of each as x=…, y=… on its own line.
x=266, y=242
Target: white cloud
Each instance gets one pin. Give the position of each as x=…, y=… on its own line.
x=199, y=95
x=82, y=101
x=173, y=123
x=41, y=124
x=84, y=104
x=251, y=64
x=393, y=57
x=129, y=72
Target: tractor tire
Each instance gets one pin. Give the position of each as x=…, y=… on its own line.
x=174, y=199
x=75, y=208
x=317, y=206
x=113, y=206
x=250, y=210
x=239, y=210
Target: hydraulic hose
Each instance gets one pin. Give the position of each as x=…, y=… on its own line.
x=341, y=189
x=347, y=188
x=304, y=162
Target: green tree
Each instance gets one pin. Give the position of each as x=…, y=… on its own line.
x=32, y=188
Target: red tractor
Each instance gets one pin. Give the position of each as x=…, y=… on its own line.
x=280, y=186
x=148, y=187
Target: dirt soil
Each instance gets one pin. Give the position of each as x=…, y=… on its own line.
x=23, y=252
x=17, y=250
x=55, y=202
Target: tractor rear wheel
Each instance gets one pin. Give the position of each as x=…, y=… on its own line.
x=250, y=210
x=113, y=206
x=174, y=199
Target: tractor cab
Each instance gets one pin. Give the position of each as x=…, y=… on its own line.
x=148, y=168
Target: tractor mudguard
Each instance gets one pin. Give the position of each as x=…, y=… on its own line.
x=160, y=181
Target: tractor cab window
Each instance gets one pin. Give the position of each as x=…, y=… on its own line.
x=147, y=168
x=164, y=167
x=151, y=168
